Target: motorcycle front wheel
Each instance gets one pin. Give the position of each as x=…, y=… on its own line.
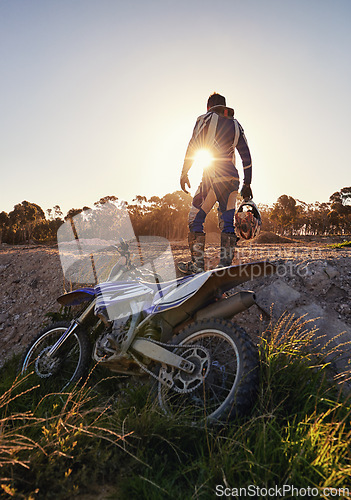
x=68, y=365
x=225, y=379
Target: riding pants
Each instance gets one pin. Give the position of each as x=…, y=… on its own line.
x=223, y=189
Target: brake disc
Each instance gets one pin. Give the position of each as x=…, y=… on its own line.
x=177, y=379
x=45, y=365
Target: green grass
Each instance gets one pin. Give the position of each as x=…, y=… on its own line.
x=344, y=244
x=111, y=431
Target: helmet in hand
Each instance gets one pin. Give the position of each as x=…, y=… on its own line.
x=247, y=220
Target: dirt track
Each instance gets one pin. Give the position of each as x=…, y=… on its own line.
x=32, y=278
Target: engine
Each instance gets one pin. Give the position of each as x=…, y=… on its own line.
x=109, y=342
x=108, y=348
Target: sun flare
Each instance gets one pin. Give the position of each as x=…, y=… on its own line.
x=203, y=159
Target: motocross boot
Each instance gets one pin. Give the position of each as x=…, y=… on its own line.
x=227, y=252
x=197, y=251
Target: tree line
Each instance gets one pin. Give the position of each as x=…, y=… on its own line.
x=167, y=217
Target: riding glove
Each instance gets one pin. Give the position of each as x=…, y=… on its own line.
x=246, y=192
x=184, y=181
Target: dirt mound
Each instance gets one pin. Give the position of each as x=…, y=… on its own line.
x=269, y=237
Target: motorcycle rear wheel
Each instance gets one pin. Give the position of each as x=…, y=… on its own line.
x=69, y=364
x=225, y=381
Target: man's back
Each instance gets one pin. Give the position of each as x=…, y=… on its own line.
x=217, y=130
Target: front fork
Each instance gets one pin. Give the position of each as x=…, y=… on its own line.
x=75, y=323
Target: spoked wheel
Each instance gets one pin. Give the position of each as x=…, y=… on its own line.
x=68, y=365
x=225, y=379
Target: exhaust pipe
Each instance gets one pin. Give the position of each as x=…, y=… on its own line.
x=225, y=308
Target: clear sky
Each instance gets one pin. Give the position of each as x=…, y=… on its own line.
x=100, y=97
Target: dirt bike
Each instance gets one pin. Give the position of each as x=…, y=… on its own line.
x=177, y=332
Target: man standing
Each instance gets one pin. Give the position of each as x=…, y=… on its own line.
x=220, y=133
